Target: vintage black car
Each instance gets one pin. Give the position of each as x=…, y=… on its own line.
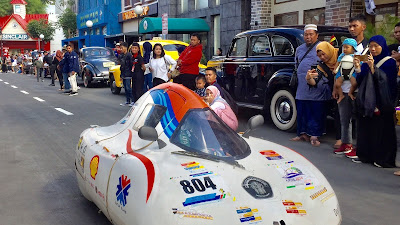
x=95, y=63
x=257, y=69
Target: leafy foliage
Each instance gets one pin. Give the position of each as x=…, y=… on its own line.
x=35, y=7
x=67, y=21
x=385, y=29
x=6, y=8
x=37, y=27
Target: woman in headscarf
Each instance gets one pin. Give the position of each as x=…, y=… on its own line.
x=376, y=80
x=311, y=114
x=148, y=77
x=55, y=68
x=221, y=107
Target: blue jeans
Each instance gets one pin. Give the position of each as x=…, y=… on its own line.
x=128, y=89
x=67, y=85
x=148, y=82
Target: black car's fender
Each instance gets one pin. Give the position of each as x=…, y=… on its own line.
x=88, y=69
x=280, y=80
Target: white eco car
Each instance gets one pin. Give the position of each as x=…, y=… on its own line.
x=172, y=161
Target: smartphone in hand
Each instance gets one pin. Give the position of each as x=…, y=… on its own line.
x=362, y=58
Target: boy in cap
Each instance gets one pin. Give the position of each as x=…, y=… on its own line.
x=345, y=69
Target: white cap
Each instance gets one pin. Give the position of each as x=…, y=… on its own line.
x=311, y=27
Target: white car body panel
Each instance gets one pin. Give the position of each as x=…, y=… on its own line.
x=132, y=181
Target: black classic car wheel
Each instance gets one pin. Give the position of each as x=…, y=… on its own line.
x=113, y=86
x=86, y=79
x=283, y=110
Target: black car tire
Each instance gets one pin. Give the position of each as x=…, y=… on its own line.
x=86, y=80
x=283, y=110
x=114, y=89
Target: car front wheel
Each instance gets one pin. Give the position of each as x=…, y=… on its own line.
x=86, y=79
x=113, y=86
x=283, y=110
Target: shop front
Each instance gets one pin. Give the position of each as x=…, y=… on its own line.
x=15, y=38
x=130, y=22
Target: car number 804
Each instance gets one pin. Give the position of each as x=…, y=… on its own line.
x=189, y=187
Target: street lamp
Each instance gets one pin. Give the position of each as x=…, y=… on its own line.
x=138, y=11
x=41, y=36
x=89, y=24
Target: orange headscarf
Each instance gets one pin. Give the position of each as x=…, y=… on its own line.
x=331, y=53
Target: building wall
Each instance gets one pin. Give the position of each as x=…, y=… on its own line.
x=234, y=18
x=55, y=44
x=337, y=12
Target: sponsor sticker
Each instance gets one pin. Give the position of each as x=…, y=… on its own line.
x=122, y=191
x=94, y=166
x=257, y=187
x=294, y=208
x=191, y=214
x=248, y=215
x=271, y=155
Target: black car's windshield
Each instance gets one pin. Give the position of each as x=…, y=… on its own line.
x=97, y=52
x=202, y=131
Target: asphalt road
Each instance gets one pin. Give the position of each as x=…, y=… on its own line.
x=37, y=142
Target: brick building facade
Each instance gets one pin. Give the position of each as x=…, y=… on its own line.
x=267, y=13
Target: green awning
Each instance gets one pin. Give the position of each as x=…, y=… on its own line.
x=175, y=25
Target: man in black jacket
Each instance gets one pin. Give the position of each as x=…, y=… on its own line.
x=125, y=60
x=47, y=60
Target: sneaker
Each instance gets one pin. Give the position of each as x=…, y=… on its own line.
x=42, y=80
x=344, y=148
x=67, y=92
x=377, y=165
x=356, y=160
x=132, y=104
x=52, y=85
x=73, y=93
x=352, y=154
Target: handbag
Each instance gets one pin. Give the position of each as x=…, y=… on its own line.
x=72, y=81
x=294, y=80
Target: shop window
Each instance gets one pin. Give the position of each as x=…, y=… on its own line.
x=282, y=46
x=291, y=18
x=201, y=4
x=127, y=4
x=260, y=46
x=314, y=16
x=239, y=47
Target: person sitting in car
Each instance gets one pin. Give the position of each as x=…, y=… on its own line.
x=221, y=107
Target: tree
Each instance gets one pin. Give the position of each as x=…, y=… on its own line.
x=385, y=29
x=67, y=21
x=37, y=27
x=6, y=8
x=35, y=7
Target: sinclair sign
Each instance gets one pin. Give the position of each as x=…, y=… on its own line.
x=15, y=37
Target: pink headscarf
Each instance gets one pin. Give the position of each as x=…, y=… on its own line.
x=215, y=91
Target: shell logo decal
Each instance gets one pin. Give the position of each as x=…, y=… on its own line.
x=94, y=166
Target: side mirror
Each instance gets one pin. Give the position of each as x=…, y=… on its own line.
x=253, y=123
x=150, y=134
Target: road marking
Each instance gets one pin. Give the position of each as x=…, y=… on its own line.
x=13, y=86
x=64, y=111
x=1, y=80
x=6, y=83
x=25, y=92
x=38, y=99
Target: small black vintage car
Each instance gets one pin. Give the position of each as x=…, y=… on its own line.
x=95, y=62
x=257, y=69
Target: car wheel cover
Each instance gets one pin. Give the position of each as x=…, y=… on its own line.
x=283, y=110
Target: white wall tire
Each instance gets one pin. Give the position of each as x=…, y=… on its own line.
x=283, y=110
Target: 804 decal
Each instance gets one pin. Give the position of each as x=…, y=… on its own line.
x=189, y=187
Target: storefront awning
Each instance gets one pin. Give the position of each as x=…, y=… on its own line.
x=175, y=25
